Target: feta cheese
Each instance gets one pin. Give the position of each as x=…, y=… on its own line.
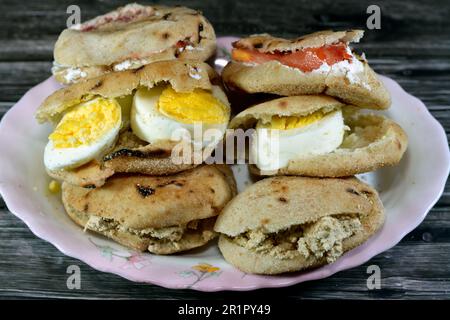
x=74, y=74
x=124, y=65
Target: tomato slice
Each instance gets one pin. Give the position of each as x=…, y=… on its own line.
x=307, y=60
x=245, y=55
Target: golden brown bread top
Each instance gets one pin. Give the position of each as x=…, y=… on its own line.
x=136, y=32
x=274, y=204
x=268, y=43
x=141, y=201
x=287, y=106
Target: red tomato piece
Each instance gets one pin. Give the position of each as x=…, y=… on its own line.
x=307, y=60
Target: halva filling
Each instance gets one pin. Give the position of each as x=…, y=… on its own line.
x=166, y=234
x=322, y=238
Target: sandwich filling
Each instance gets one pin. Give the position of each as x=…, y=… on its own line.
x=121, y=21
x=322, y=239
x=72, y=74
x=285, y=138
x=307, y=59
x=92, y=124
x=160, y=240
x=161, y=113
x=336, y=59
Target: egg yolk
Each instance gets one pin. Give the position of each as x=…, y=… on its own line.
x=190, y=107
x=291, y=122
x=86, y=123
x=54, y=186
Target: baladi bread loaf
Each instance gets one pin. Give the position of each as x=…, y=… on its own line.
x=372, y=141
x=285, y=224
x=351, y=81
x=163, y=215
x=130, y=37
x=129, y=154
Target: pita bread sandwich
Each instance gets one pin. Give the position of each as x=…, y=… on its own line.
x=318, y=63
x=316, y=135
x=151, y=120
x=130, y=37
x=163, y=215
x=285, y=224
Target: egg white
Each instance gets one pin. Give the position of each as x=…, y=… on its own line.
x=150, y=125
x=272, y=149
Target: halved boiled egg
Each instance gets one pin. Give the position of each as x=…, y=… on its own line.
x=282, y=139
x=84, y=133
x=161, y=113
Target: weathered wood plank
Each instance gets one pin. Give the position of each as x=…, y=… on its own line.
x=405, y=269
x=243, y=17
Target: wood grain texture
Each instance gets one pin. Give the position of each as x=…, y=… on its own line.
x=413, y=47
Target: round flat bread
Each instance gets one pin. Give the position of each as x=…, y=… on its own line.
x=372, y=142
x=130, y=37
x=267, y=228
x=266, y=43
x=362, y=88
x=164, y=214
x=183, y=76
x=130, y=154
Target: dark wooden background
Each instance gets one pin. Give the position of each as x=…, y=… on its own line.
x=412, y=47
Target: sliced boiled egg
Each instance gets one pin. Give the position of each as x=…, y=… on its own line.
x=282, y=139
x=84, y=133
x=161, y=113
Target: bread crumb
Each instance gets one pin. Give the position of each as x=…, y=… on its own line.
x=324, y=237
x=53, y=187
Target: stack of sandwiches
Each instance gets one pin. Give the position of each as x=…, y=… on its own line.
x=310, y=209
x=113, y=138
x=138, y=74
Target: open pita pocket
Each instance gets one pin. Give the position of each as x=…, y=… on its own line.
x=285, y=224
x=263, y=63
x=130, y=37
x=163, y=215
x=364, y=141
x=129, y=153
x=183, y=76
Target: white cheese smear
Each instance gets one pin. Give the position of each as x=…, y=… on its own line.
x=74, y=74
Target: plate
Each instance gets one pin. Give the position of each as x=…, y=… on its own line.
x=408, y=192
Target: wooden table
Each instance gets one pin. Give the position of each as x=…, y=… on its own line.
x=412, y=47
